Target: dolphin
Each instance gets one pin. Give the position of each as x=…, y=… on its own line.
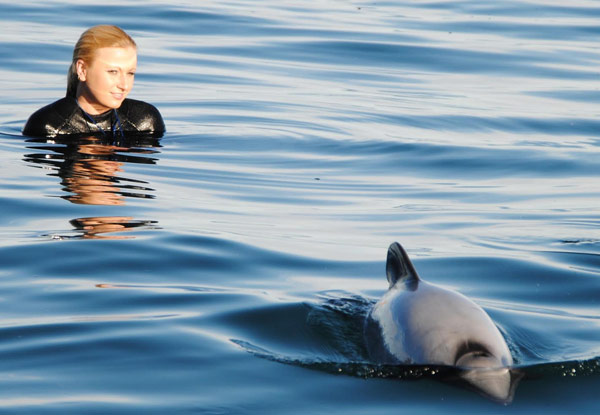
x=419, y=323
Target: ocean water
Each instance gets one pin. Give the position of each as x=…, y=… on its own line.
x=227, y=267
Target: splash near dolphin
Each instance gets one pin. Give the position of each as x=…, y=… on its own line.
x=417, y=322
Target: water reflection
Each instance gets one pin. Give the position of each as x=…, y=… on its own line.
x=98, y=227
x=92, y=172
x=91, y=168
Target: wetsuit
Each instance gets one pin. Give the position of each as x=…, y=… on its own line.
x=65, y=117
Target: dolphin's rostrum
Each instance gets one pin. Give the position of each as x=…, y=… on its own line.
x=417, y=322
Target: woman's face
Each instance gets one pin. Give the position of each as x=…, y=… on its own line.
x=107, y=80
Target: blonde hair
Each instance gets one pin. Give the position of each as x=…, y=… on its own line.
x=103, y=36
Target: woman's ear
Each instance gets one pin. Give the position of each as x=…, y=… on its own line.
x=81, y=67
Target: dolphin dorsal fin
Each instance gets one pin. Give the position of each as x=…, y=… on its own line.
x=398, y=266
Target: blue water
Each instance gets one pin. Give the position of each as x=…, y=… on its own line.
x=227, y=267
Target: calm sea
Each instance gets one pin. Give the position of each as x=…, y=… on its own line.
x=227, y=267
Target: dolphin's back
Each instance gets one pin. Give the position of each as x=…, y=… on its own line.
x=419, y=322
x=416, y=322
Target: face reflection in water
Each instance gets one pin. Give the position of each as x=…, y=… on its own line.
x=93, y=180
x=92, y=172
x=98, y=227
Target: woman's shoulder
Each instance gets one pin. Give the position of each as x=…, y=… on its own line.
x=141, y=116
x=49, y=120
x=64, y=117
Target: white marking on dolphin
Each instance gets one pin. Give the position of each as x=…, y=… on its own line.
x=416, y=322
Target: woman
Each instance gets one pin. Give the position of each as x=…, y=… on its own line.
x=99, y=80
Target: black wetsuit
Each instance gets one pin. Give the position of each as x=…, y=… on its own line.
x=65, y=117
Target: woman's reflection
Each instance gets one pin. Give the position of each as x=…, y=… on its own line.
x=91, y=170
x=97, y=227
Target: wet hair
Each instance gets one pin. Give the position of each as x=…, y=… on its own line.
x=103, y=36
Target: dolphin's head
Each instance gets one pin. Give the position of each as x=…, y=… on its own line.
x=488, y=374
x=497, y=384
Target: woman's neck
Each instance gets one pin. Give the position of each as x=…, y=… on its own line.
x=89, y=107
